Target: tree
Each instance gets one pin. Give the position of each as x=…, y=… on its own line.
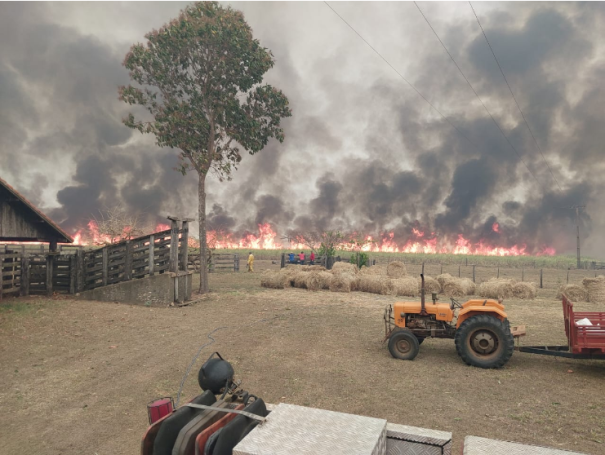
x=116, y=224
x=199, y=76
x=324, y=243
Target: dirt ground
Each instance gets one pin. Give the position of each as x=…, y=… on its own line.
x=76, y=376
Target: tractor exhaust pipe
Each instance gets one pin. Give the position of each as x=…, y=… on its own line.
x=422, y=303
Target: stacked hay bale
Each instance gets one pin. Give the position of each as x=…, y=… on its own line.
x=458, y=287
x=444, y=278
x=525, y=291
x=379, y=270
x=573, y=292
x=406, y=286
x=344, y=267
x=274, y=280
x=299, y=279
x=344, y=277
x=496, y=288
x=396, y=269
x=431, y=285
x=316, y=280
x=376, y=284
x=595, y=287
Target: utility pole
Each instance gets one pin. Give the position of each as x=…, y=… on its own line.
x=577, y=209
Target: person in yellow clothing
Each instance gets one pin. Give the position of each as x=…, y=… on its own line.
x=251, y=262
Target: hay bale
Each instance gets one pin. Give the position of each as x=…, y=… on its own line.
x=344, y=267
x=444, y=278
x=317, y=280
x=341, y=282
x=408, y=286
x=574, y=292
x=299, y=280
x=316, y=268
x=595, y=288
x=458, y=287
x=430, y=285
x=376, y=284
x=496, y=289
x=525, y=291
x=396, y=269
x=274, y=280
x=376, y=270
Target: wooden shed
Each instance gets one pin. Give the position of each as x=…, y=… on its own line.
x=21, y=221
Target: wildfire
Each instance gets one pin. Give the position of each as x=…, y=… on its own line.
x=91, y=236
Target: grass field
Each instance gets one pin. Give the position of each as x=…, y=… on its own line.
x=77, y=375
x=560, y=262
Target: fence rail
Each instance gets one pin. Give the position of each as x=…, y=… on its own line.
x=28, y=271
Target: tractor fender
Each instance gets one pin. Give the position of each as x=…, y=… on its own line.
x=466, y=313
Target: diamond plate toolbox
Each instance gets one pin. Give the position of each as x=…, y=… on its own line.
x=291, y=430
x=474, y=445
x=407, y=440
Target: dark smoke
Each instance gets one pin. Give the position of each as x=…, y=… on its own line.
x=362, y=152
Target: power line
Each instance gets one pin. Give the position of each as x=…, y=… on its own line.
x=402, y=77
x=514, y=98
x=475, y=92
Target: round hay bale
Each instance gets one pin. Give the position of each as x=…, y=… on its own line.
x=375, y=270
x=574, y=292
x=316, y=268
x=444, y=278
x=344, y=267
x=341, y=282
x=525, y=291
x=430, y=285
x=396, y=269
x=376, y=284
x=299, y=280
x=317, y=280
x=407, y=285
x=458, y=287
x=595, y=288
x=274, y=280
x=496, y=289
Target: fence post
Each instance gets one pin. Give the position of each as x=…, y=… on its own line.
x=174, y=248
x=236, y=262
x=80, y=270
x=473, y=273
x=128, y=261
x=185, y=246
x=522, y=274
x=498, y=275
x=283, y=261
x=423, y=267
x=49, y=274
x=151, y=262
x=441, y=272
x=466, y=262
x=540, y=278
x=567, y=276
x=73, y=267
x=24, y=275
x=458, y=271
x=105, y=266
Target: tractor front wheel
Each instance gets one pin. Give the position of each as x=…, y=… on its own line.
x=403, y=344
x=484, y=341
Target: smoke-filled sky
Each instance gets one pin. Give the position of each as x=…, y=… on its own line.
x=362, y=151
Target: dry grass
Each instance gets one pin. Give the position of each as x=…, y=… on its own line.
x=396, y=269
x=77, y=376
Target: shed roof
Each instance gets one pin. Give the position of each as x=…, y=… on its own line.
x=35, y=226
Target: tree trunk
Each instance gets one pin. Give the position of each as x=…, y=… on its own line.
x=201, y=193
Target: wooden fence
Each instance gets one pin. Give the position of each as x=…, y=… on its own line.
x=26, y=273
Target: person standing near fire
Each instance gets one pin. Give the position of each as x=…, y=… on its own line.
x=312, y=258
x=301, y=257
x=250, y=262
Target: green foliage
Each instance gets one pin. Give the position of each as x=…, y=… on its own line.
x=330, y=241
x=199, y=77
x=360, y=259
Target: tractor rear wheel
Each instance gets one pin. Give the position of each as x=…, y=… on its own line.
x=403, y=344
x=484, y=341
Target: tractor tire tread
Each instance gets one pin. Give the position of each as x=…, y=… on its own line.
x=507, y=340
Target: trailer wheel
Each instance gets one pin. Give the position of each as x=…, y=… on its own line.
x=403, y=344
x=484, y=341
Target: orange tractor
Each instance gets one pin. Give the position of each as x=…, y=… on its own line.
x=479, y=327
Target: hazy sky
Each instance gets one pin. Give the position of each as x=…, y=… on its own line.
x=362, y=149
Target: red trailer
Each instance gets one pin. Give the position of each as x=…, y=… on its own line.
x=583, y=341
